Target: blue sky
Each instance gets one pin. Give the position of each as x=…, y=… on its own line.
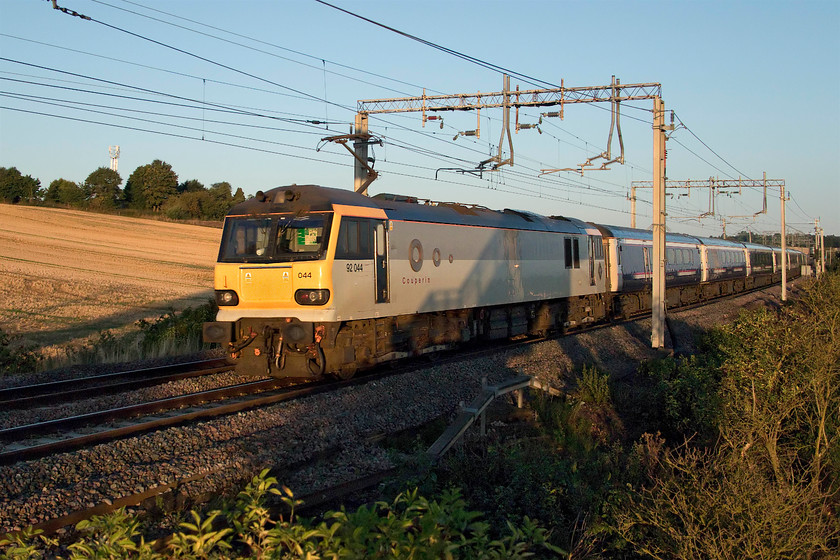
x=757, y=84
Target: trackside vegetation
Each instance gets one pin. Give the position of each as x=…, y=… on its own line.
x=733, y=452
x=408, y=527
x=174, y=333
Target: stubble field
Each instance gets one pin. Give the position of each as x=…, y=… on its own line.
x=67, y=275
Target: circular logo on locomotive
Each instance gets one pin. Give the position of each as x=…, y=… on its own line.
x=415, y=255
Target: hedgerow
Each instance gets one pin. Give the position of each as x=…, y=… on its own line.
x=411, y=526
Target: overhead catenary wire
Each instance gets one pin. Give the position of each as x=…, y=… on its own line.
x=720, y=157
x=228, y=109
x=176, y=135
x=199, y=57
x=497, y=68
x=175, y=49
x=88, y=107
x=155, y=92
x=193, y=54
x=70, y=103
x=420, y=150
x=266, y=43
x=149, y=67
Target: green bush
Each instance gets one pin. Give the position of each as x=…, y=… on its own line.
x=767, y=487
x=560, y=474
x=16, y=358
x=594, y=386
x=178, y=328
x=682, y=401
x=411, y=526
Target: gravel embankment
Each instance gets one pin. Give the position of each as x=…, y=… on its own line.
x=237, y=446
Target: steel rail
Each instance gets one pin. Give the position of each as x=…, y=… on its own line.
x=238, y=398
x=28, y=396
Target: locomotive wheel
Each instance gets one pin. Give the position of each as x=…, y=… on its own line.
x=346, y=371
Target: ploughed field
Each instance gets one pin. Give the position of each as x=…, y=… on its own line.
x=67, y=275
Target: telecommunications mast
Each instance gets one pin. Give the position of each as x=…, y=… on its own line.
x=114, y=152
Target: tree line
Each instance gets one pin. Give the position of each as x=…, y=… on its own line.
x=775, y=239
x=153, y=187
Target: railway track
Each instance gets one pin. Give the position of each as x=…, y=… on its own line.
x=314, y=501
x=65, y=434
x=48, y=394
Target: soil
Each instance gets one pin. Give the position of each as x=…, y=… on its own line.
x=67, y=274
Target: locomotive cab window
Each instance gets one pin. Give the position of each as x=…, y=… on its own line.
x=296, y=235
x=246, y=238
x=274, y=239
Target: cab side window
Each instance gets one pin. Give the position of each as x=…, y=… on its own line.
x=571, y=251
x=355, y=239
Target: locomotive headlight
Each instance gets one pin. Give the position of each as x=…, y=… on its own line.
x=226, y=297
x=312, y=297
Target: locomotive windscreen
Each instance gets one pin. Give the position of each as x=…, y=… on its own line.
x=274, y=238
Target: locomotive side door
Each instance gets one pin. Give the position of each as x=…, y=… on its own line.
x=380, y=241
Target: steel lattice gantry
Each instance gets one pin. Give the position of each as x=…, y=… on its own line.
x=517, y=98
x=507, y=98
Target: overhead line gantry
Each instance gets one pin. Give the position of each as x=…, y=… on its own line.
x=505, y=99
x=716, y=186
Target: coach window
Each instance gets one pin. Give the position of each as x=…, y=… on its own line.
x=576, y=252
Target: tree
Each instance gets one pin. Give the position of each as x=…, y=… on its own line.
x=201, y=203
x=193, y=185
x=14, y=187
x=221, y=200
x=150, y=185
x=102, y=189
x=62, y=191
x=221, y=190
x=188, y=205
